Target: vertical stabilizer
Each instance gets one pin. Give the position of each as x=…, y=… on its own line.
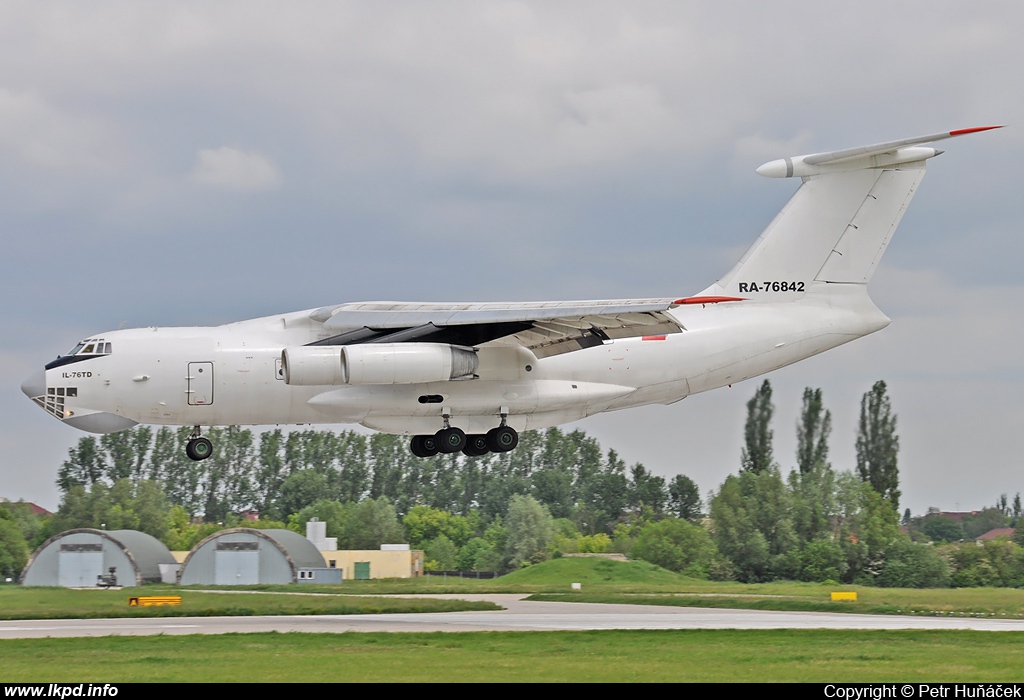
x=837, y=225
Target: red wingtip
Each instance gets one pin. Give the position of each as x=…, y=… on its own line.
x=706, y=300
x=972, y=130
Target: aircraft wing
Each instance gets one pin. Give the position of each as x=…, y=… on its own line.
x=546, y=328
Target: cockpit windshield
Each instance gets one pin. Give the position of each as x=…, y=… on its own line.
x=91, y=346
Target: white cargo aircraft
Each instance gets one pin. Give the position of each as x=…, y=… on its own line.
x=469, y=376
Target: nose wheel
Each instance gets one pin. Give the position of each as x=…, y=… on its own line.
x=198, y=448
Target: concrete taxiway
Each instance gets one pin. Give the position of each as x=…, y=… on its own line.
x=518, y=615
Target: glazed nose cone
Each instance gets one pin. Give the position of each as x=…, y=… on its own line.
x=35, y=385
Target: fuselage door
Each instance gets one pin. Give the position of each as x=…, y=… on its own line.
x=200, y=383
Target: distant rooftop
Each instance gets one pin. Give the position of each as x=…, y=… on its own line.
x=955, y=516
x=36, y=509
x=1004, y=532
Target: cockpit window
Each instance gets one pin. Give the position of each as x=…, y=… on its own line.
x=91, y=346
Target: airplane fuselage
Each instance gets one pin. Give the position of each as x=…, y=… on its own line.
x=233, y=375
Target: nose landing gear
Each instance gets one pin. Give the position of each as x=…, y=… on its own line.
x=198, y=448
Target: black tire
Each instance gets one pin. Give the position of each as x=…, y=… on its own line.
x=423, y=446
x=198, y=449
x=502, y=439
x=476, y=446
x=429, y=444
x=416, y=446
x=450, y=440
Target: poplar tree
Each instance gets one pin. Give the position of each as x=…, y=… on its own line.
x=878, y=444
x=757, y=453
x=812, y=433
x=83, y=467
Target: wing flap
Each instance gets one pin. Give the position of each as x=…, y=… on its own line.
x=547, y=328
x=382, y=315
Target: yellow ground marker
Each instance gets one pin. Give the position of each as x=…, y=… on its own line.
x=147, y=600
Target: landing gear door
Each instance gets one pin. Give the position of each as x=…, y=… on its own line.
x=200, y=383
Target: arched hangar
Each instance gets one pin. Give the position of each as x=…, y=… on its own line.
x=77, y=558
x=242, y=556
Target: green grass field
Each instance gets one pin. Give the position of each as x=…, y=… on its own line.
x=608, y=656
x=551, y=576
x=606, y=581
x=615, y=656
x=19, y=603
x=601, y=580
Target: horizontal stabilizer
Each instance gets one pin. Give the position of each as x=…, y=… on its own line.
x=885, y=154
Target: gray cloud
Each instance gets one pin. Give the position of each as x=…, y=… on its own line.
x=540, y=150
x=235, y=169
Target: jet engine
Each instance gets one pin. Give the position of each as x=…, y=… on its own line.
x=384, y=363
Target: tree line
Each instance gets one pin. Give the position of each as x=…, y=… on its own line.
x=560, y=492
x=277, y=474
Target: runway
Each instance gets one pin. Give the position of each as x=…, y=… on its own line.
x=518, y=615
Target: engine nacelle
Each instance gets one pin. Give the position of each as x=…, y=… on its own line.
x=408, y=363
x=313, y=365
x=384, y=363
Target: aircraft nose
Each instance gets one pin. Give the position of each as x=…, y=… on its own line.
x=35, y=385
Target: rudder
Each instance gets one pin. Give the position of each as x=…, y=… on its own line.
x=834, y=229
x=837, y=225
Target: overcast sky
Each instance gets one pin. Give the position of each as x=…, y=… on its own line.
x=200, y=163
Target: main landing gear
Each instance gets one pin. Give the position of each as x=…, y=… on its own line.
x=198, y=448
x=450, y=439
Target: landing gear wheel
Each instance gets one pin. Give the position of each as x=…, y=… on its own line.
x=476, y=446
x=424, y=445
x=416, y=446
x=198, y=448
x=430, y=445
x=502, y=439
x=450, y=440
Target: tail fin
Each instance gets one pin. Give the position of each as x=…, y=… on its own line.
x=836, y=227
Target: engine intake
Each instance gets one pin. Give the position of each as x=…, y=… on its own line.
x=384, y=363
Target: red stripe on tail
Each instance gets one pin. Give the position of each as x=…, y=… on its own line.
x=706, y=300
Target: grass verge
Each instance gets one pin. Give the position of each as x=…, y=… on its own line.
x=607, y=656
x=26, y=603
x=601, y=580
x=876, y=601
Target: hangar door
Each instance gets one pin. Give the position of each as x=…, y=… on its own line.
x=79, y=565
x=236, y=563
